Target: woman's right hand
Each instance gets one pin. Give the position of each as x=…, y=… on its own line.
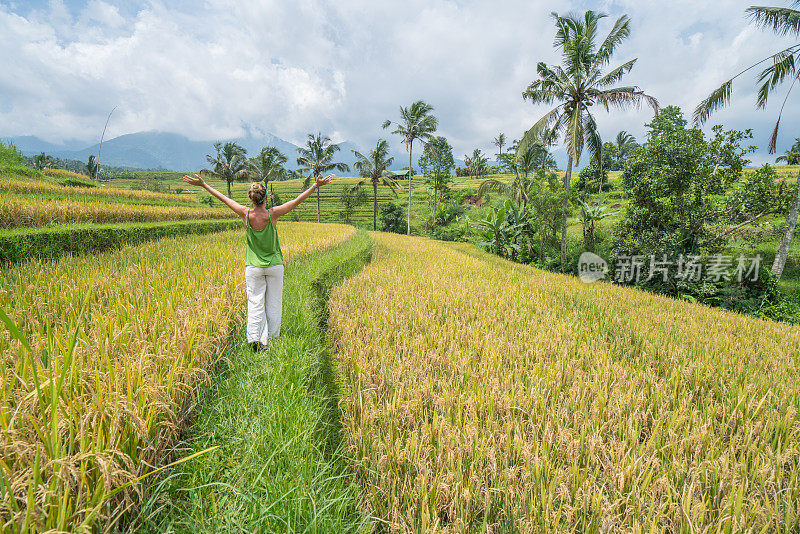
x=194, y=180
x=320, y=181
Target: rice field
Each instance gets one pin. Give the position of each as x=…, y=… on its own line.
x=101, y=356
x=21, y=211
x=480, y=395
x=41, y=187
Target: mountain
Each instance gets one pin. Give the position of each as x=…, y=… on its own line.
x=175, y=152
x=151, y=150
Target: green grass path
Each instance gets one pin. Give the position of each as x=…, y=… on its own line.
x=274, y=416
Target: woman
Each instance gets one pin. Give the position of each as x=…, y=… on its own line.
x=264, y=261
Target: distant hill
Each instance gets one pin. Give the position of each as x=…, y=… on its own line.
x=175, y=152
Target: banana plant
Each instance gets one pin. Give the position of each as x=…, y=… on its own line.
x=502, y=228
x=589, y=216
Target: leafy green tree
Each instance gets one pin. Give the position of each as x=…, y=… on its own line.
x=592, y=178
x=316, y=158
x=229, y=163
x=42, y=161
x=351, y=198
x=267, y=166
x=392, y=218
x=792, y=156
x=477, y=163
x=669, y=119
x=375, y=168
x=578, y=84
x=416, y=123
x=782, y=65
x=92, y=168
x=670, y=183
x=437, y=164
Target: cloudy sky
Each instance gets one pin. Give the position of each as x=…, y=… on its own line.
x=209, y=69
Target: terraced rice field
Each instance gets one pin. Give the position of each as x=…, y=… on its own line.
x=18, y=211
x=481, y=395
x=109, y=351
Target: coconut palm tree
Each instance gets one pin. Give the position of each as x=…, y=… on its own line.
x=577, y=85
x=499, y=141
x=268, y=165
x=783, y=64
x=624, y=144
x=416, y=123
x=792, y=156
x=316, y=158
x=375, y=168
x=229, y=164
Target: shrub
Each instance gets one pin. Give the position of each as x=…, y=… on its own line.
x=392, y=219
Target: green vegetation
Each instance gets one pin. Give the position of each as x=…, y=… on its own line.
x=416, y=124
x=577, y=85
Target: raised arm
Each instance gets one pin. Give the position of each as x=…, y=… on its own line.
x=195, y=180
x=286, y=207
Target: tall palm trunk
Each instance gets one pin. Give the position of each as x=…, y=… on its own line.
x=318, y=204
x=786, y=240
x=408, y=230
x=229, y=187
x=375, y=205
x=435, y=200
x=567, y=178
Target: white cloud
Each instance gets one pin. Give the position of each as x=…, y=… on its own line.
x=342, y=68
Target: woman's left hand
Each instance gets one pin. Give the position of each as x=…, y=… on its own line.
x=195, y=180
x=320, y=181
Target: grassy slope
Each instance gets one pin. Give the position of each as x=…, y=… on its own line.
x=274, y=416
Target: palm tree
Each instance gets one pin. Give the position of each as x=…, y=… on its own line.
x=792, y=156
x=316, y=158
x=623, y=146
x=521, y=188
x=499, y=141
x=375, y=167
x=229, y=164
x=782, y=21
x=92, y=168
x=416, y=123
x=268, y=165
x=577, y=86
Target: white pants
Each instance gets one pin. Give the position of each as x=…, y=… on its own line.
x=264, y=293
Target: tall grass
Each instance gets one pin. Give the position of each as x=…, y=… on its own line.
x=109, y=350
x=25, y=211
x=482, y=394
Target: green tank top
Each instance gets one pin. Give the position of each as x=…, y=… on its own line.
x=263, y=249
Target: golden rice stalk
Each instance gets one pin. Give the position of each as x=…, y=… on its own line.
x=19, y=186
x=23, y=211
x=481, y=395
x=117, y=342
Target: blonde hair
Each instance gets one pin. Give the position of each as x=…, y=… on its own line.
x=257, y=193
